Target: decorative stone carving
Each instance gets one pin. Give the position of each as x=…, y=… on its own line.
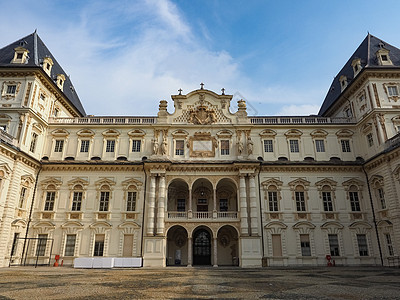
x=202, y=115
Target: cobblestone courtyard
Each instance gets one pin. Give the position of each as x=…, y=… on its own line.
x=206, y=283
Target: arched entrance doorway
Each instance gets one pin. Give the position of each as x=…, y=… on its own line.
x=177, y=253
x=202, y=247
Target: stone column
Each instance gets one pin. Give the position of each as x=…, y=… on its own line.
x=190, y=209
x=244, y=226
x=253, y=205
x=161, y=206
x=215, y=253
x=214, y=203
x=190, y=252
x=152, y=199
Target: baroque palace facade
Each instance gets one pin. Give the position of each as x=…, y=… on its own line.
x=202, y=185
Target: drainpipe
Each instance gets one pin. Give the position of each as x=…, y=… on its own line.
x=143, y=210
x=30, y=213
x=373, y=216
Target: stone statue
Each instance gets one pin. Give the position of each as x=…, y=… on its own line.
x=164, y=146
x=155, y=146
x=249, y=146
x=240, y=147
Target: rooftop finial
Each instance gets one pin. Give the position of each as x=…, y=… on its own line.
x=223, y=91
x=180, y=91
x=201, y=86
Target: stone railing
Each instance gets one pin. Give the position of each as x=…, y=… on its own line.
x=104, y=120
x=300, y=120
x=7, y=138
x=201, y=215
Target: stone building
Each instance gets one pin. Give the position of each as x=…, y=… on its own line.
x=203, y=185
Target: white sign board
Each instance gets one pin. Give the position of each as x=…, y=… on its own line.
x=202, y=145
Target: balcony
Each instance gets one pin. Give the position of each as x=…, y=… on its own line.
x=202, y=216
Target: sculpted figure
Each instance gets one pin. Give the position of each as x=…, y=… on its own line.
x=164, y=146
x=155, y=146
x=240, y=147
x=249, y=146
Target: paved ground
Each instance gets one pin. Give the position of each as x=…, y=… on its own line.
x=205, y=283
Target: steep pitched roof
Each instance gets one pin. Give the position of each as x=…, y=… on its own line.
x=37, y=52
x=366, y=52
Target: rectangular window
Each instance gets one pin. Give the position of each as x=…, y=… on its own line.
x=49, y=203
x=41, y=245
x=294, y=146
x=354, y=201
x=85, y=146
x=381, y=196
x=389, y=244
x=20, y=55
x=128, y=245
x=276, y=245
x=181, y=205
x=22, y=197
x=273, y=200
x=77, y=201
x=33, y=142
x=99, y=245
x=59, y=146
x=392, y=90
x=320, y=145
x=11, y=89
x=345, y=145
x=300, y=202
x=362, y=244
x=370, y=140
x=327, y=200
x=136, y=144
x=131, y=201
x=225, y=147
x=70, y=245
x=334, y=244
x=305, y=245
x=104, y=199
x=268, y=146
x=384, y=57
x=110, y=147
x=223, y=204
x=15, y=244
x=179, y=147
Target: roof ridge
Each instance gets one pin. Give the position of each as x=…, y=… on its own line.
x=35, y=48
x=368, y=48
x=15, y=41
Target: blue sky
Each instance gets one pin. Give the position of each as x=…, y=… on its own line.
x=125, y=56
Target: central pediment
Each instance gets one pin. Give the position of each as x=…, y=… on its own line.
x=202, y=107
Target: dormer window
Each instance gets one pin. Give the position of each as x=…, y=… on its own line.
x=47, y=65
x=383, y=57
x=343, y=82
x=356, y=64
x=20, y=55
x=60, y=81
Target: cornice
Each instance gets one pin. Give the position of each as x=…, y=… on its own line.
x=92, y=167
x=311, y=168
x=16, y=154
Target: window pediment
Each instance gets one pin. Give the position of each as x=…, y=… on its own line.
x=319, y=133
x=128, y=224
x=367, y=128
x=100, y=224
x=47, y=65
x=332, y=224
x=227, y=134
x=326, y=181
x=299, y=181
x=60, y=133
x=272, y=182
x=360, y=225
x=27, y=180
x=111, y=133
x=85, y=133
x=352, y=182
x=78, y=181
x=20, y=55
x=180, y=133
x=126, y=184
x=268, y=133
x=304, y=226
x=72, y=224
x=377, y=181
x=383, y=57
x=344, y=133
x=5, y=170
x=137, y=133
x=104, y=181
x=44, y=225
x=293, y=133
x=51, y=181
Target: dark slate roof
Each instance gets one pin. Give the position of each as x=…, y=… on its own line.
x=37, y=52
x=366, y=52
